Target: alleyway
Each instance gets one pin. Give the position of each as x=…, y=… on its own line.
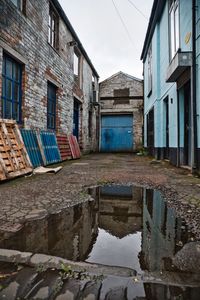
x=36, y=196
x=36, y=199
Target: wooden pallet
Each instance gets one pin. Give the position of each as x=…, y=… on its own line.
x=63, y=145
x=14, y=160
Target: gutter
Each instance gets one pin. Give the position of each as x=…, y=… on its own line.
x=156, y=14
x=194, y=86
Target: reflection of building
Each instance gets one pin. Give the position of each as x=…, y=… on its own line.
x=67, y=234
x=120, y=209
x=162, y=232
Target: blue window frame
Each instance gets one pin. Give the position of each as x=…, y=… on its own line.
x=51, y=106
x=11, y=89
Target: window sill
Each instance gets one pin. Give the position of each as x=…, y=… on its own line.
x=56, y=50
x=149, y=93
x=172, y=58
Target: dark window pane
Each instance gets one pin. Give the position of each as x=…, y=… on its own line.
x=4, y=66
x=3, y=87
x=8, y=110
x=8, y=89
x=16, y=92
x=8, y=68
x=16, y=72
x=15, y=113
x=51, y=106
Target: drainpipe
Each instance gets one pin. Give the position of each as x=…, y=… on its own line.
x=178, y=129
x=194, y=93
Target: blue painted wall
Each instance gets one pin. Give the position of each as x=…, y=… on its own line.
x=198, y=69
x=161, y=89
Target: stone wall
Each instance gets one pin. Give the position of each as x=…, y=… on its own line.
x=24, y=36
x=131, y=102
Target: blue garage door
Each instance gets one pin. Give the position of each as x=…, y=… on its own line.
x=117, y=133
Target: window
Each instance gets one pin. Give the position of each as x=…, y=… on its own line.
x=17, y=3
x=149, y=61
x=122, y=93
x=53, y=28
x=51, y=106
x=174, y=27
x=11, y=89
x=20, y=4
x=76, y=68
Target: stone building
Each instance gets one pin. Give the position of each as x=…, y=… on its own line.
x=48, y=81
x=121, y=100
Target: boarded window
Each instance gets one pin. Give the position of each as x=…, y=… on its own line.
x=121, y=96
x=121, y=93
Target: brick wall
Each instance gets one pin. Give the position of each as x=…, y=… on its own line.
x=25, y=38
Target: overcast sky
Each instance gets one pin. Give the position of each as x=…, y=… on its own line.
x=111, y=46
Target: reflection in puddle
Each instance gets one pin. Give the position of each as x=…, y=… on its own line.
x=125, y=226
x=120, y=219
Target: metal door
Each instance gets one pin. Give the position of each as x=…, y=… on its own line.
x=117, y=133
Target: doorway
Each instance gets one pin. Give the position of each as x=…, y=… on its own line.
x=166, y=120
x=76, y=119
x=187, y=124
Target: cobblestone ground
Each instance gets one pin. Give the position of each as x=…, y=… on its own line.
x=36, y=196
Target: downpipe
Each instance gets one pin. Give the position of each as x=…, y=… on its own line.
x=194, y=92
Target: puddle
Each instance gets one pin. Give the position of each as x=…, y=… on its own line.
x=125, y=226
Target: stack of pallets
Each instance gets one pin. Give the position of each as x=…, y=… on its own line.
x=14, y=160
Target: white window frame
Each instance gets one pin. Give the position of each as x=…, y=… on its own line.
x=174, y=27
x=149, y=69
x=53, y=28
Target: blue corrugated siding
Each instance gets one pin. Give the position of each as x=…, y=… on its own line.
x=50, y=146
x=31, y=144
x=117, y=133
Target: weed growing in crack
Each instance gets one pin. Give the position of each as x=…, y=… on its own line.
x=67, y=272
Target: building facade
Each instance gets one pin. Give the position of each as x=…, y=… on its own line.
x=48, y=81
x=121, y=101
x=171, y=82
